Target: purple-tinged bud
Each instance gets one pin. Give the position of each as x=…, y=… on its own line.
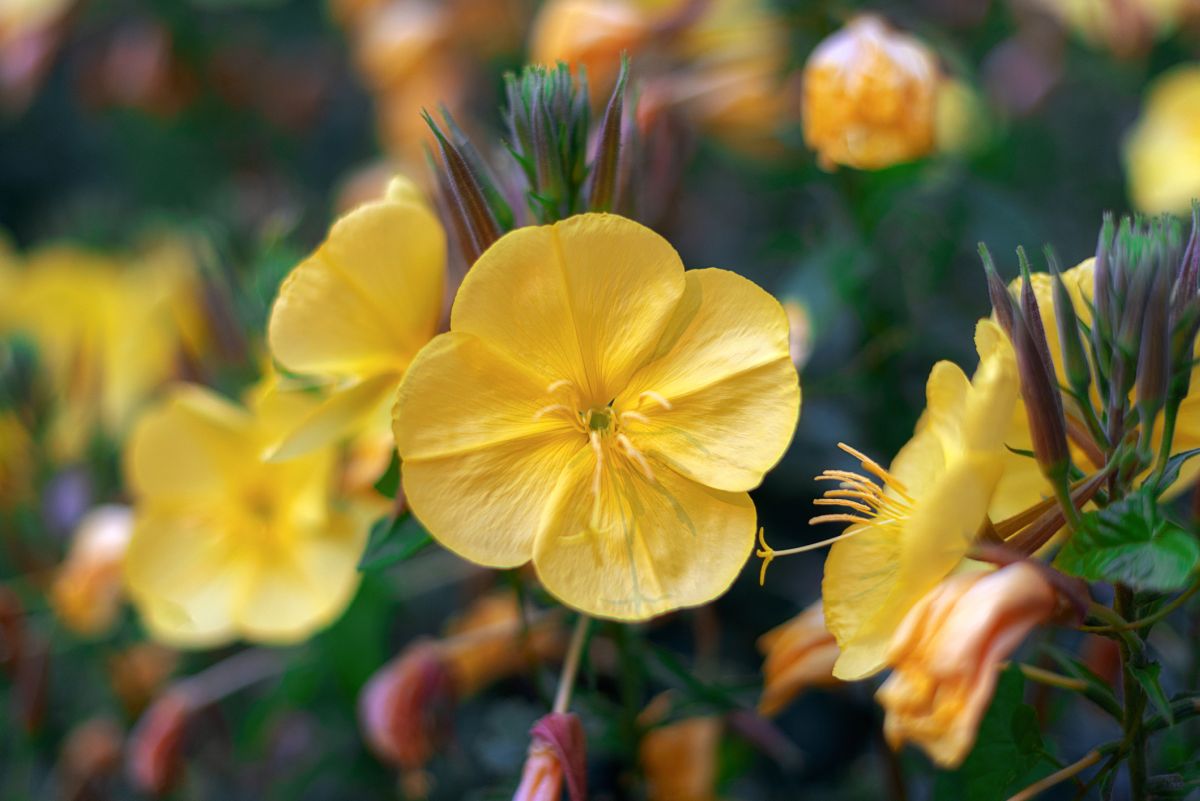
x=1002, y=302
x=1039, y=389
x=1154, y=354
x=557, y=756
x=1187, y=284
x=1070, y=340
x=1102, y=299
x=602, y=182
x=468, y=203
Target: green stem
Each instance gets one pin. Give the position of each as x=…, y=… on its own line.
x=1170, y=415
x=566, y=682
x=1133, y=625
x=1135, y=702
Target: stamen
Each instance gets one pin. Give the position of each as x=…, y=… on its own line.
x=636, y=416
x=561, y=383
x=636, y=455
x=861, y=507
x=551, y=409
x=874, y=467
x=659, y=399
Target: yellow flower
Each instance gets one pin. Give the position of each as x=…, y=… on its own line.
x=351, y=316
x=87, y=592
x=799, y=654
x=870, y=97
x=909, y=534
x=598, y=410
x=1125, y=27
x=591, y=33
x=947, y=653
x=107, y=333
x=1162, y=155
x=224, y=544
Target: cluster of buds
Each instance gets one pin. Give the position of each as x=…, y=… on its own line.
x=1124, y=356
x=559, y=165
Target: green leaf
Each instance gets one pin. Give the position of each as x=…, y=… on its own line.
x=1147, y=676
x=1131, y=543
x=1009, y=753
x=1174, y=465
x=393, y=541
x=1098, y=690
x=389, y=482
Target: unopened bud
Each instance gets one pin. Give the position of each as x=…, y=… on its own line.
x=1039, y=388
x=1070, y=339
x=1187, y=283
x=467, y=200
x=154, y=757
x=602, y=180
x=405, y=709
x=1102, y=299
x=1002, y=302
x=1153, y=366
x=557, y=756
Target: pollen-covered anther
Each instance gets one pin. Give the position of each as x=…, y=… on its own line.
x=657, y=398
x=633, y=453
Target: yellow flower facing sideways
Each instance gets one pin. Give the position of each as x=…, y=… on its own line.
x=351, y=316
x=599, y=410
x=1162, y=154
x=226, y=545
x=915, y=526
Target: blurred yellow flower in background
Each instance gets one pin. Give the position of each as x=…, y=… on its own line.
x=1124, y=27
x=870, y=97
x=16, y=461
x=946, y=656
x=911, y=532
x=87, y=590
x=1162, y=154
x=598, y=410
x=224, y=544
x=799, y=654
x=350, y=318
x=108, y=333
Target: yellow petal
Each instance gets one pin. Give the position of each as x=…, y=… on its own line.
x=343, y=412
x=647, y=547
x=183, y=580
x=724, y=368
x=368, y=298
x=194, y=444
x=585, y=299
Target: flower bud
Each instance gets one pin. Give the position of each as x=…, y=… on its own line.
x=466, y=197
x=154, y=754
x=1070, y=340
x=1039, y=387
x=799, y=654
x=947, y=652
x=87, y=589
x=680, y=760
x=404, y=710
x=90, y=753
x=870, y=97
x=602, y=178
x=1154, y=355
x=557, y=756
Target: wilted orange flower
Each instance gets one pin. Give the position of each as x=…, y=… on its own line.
x=870, y=97
x=800, y=654
x=87, y=589
x=946, y=656
x=90, y=753
x=153, y=756
x=405, y=709
x=680, y=760
x=557, y=758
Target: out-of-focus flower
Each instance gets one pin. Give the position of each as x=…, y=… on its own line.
x=946, y=656
x=1021, y=71
x=1126, y=28
x=139, y=672
x=800, y=332
x=962, y=120
x=225, y=545
x=591, y=33
x=1162, y=155
x=353, y=315
x=490, y=641
x=870, y=97
x=16, y=460
x=136, y=68
x=557, y=757
x=108, y=333
x=799, y=654
x=154, y=753
x=87, y=589
x=598, y=410
x=90, y=754
x=911, y=532
x=30, y=33
x=680, y=760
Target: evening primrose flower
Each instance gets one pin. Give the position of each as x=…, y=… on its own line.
x=351, y=316
x=224, y=544
x=870, y=97
x=1162, y=154
x=912, y=524
x=946, y=656
x=599, y=411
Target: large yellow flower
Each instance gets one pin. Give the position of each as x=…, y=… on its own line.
x=224, y=544
x=108, y=332
x=352, y=315
x=1162, y=156
x=598, y=410
x=909, y=534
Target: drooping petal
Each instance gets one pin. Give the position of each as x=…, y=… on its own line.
x=181, y=575
x=585, y=299
x=368, y=298
x=647, y=546
x=193, y=445
x=723, y=367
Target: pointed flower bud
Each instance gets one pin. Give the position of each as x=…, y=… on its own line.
x=1002, y=302
x=1153, y=365
x=947, y=653
x=602, y=180
x=557, y=756
x=467, y=201
x=1039, y=388
x=1074, y=357
x=1187, y=284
